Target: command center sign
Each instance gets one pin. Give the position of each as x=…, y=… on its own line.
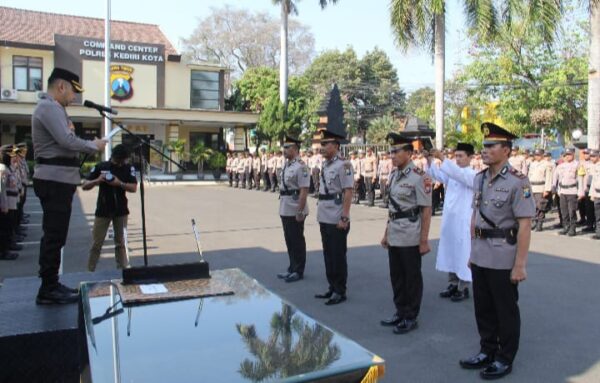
x=123, y=51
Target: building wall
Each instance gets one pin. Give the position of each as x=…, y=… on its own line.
x=6, y=69
x=177, y=86
x=143, y=84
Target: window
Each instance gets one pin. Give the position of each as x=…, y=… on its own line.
x=205, y=90
x=27, y=73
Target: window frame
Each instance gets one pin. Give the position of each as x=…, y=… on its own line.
x=200, y=100
x=28, y=68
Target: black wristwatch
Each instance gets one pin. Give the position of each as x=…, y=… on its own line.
x=345, y=219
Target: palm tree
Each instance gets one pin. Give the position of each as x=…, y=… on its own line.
x=288, y=7
x=594, y=76
x=199, y=155
x=422, y=23
x=379, y=129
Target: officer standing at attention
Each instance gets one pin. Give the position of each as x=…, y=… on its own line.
x=569, y=185
x=406, y=233
x=501, y=228
x=540, y=176
x=333, y=215
x=369, y=173
x=295, y=181
x=56, y=176
x=6, y=228
x=594, y=181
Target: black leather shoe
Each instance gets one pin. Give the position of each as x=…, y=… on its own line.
x=283, y=275
x=8, y=256
x=24, y=221
x=393, y=321
x=476, y=362
x=496, y=370
x=460, y=295
x=406, y=325
x=572, y=232
x=55, y=296
x=588, y=230
x=450, y=290
x=335, y=299
x=557, y=226
x=563, y=232
x=16, y=247
x=293, y=277
x=326, y=295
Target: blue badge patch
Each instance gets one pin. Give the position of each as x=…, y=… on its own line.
x=526, y=192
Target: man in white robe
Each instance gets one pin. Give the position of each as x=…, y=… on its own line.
x=454, y=247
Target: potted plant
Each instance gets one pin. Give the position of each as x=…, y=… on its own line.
x=217, y=163
x=177, y=147
x=199, y=155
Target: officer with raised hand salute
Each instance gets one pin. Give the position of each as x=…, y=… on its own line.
x=295, y=181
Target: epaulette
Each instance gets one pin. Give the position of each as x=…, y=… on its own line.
x=517, y=173
x=418, y=171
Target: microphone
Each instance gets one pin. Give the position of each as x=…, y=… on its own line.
x=99, y=108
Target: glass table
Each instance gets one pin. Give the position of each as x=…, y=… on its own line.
x=251, y=336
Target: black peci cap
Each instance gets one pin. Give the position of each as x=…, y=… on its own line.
x=464, y=147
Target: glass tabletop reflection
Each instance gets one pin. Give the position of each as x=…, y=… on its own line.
x=251, y=336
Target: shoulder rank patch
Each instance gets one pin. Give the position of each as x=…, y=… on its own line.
x=427, y=184
x=418, y=171
x=517, y=173
x=348, y=168
x=305, y=171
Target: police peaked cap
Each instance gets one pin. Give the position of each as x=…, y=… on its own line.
x=63, y=74
x=494, y=134
x=399, y=141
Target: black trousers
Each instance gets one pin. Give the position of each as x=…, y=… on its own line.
x=273, y=180
x=293, y=232
x=568, y=208
x=6, y=232
x=436, y=198
x=230, y=176
x=334, y=251
x=266, y=181
x=370, y=190
x=541, y=207
x=257, y=176
x=383, y=187
x=597, y=215
x=56, y=199
x=407, y=280
x=590, y=214
x=497, y=312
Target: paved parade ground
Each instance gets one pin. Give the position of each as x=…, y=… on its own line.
x=560, y=334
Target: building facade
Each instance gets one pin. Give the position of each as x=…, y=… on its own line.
x=158, y=95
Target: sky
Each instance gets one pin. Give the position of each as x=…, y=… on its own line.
x=357, y=23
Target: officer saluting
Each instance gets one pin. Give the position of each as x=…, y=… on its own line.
x=56, y=177
x=295, y=181
x=406, y=233
x=503, y=208
x=333, y=214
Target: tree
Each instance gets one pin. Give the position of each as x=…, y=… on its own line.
x=199, y=155
x=240, y=39
x=421, y=23
x=420, y=103
x=288, y=7
x=594, y=76
x=379, y=129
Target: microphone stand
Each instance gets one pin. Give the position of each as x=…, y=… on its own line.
x=140, y=144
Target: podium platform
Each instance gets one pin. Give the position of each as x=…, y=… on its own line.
x=40, y=343
x=250, y=336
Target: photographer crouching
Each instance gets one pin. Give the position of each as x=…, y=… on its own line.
x=114, y=178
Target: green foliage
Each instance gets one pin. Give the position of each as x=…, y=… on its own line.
x=177, y=147
x=217, y=160
x=86, y=168
x=379, y=129
x=421, y=104
x=199, y=155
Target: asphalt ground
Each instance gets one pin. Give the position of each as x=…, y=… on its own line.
x=560, y=334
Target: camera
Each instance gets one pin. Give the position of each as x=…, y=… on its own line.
x=108, y=175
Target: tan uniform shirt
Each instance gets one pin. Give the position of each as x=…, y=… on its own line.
x=540, y=176
x=385, y=169
x=594, y=177
x=229, y=163
x=294, y=176
x=503, y=199
x=256, y=164
x=567, y=180
x=241, y=165
x=518, y=162
x=587, y=168
x=336, y=176
x=369, y=166
x=410, y=189
x=356, y=167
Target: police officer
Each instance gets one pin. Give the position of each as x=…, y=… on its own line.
x=256, y=171
x=517, y=160
x=295, y=181
x=569, y=185
x=540, y=176
x=406, y=233
x=594, y=182
x=501, y=226
x=228, y=167
x=6, y=229
x=333, y=215
x=357, y=170
x=56, y=176
x=385, y=168
x=369, y=175
x=585, y=205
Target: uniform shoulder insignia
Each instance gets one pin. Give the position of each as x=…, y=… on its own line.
x=517, y=173
x=418, y=171
x=301, y=162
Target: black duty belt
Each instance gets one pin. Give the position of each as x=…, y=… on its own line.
x=12, y=193
x=567, y=186
x=329, y=197
x=492, y=233
x=597, y=190
x=59, y=161
x=538, y=183
x=404, y=214
x=289, y=192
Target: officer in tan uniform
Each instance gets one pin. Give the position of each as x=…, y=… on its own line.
x=517, y=160
x=333, y=215
x=503, y=208
x=271, y=170
x=228, y=168
x=568, y=183
x=593, y=179
x=385, y=169
x=369, y=175
x=585, y=205
x=6, y=229
x=540, y=176
x=357, y=171
x=279, y=161
x=406, y=233
x=256, y=171
x=295, y=181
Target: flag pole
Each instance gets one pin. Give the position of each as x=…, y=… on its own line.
x=107, y=57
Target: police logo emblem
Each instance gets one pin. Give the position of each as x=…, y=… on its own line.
x=120, y=82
